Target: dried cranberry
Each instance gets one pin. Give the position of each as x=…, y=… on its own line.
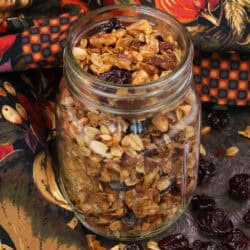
x=174, y=242
x=133, y=246
x=113, y=23
x=239, y=187
x=136, y=44
x=217, y=119
x=206, y=170
x=214, y=223
x=202, y=202
x=166, y=46
x=237, y=240
x=164, y=63
x=115, y=75
x=201, y=245
x=246, y=218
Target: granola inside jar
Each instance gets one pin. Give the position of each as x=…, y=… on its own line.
x=128, y=122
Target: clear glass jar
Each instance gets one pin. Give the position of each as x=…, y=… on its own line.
x=128, y=154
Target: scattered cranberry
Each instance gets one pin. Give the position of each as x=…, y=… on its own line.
x=237, y=240
x=115, y=75
x=174, y=242
x=201, y=245
x=202, y=202
x=246, y=218
x=214, y=223
x=206, y=170
x=113, y=23
x=239, y=187
x=217, y=119
x=133, y=246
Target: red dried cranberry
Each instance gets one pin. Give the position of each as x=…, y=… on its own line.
x=115, y=75
x=246, y=218
x=239, y=187
x=164, y=63
x=214, y=223
x=237, y=240
x=201, y=245
x=113, y=23
x=217, y=119
x=133, y=246
x=174, y=242
x=136, y=44
x=206, y=170
x=202, y=202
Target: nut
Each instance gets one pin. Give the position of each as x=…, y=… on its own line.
x=79, y=53
x=163, y=183
x=140, y=26
x=91, y=132
x=161, y=123
x=205, y=130
x=134, y=141
x=139, y=77
x=93, y=244
x=245, y=133
x=152, y=245
x=99, y=148
x=232, y=151
x=202, y=150
x=118, y=247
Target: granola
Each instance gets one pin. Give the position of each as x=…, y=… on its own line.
x=139, y=50
x=128, y=175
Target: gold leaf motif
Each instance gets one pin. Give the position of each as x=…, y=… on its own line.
x=236, y=16
x=246, y=41
x=245, y=3
x=194, y=30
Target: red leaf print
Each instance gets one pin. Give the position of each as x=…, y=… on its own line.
x=5, y=149
x=6, y=42
x=3, y=25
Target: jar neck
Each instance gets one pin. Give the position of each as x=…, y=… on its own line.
x=128, y=99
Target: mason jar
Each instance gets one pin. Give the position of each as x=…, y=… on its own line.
x=128, y=154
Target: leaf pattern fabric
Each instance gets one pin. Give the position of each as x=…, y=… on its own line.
x=33, y=34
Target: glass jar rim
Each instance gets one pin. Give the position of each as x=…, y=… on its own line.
x=166, y=79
